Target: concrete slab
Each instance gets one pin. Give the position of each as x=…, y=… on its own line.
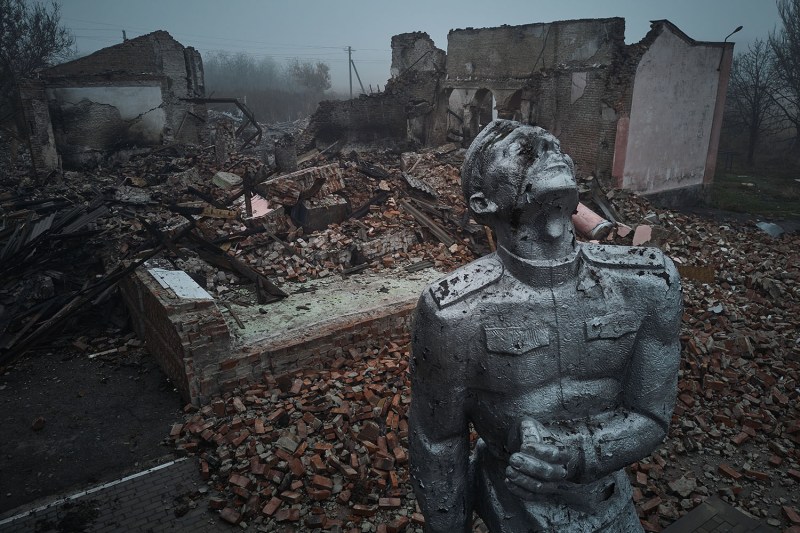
x=226, y=180
x=180, y=283
x=314, y=304
x=209, y=346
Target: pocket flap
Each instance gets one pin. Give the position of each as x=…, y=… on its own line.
x=516, y=341
x=611, y=326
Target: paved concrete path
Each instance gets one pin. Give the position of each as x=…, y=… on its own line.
x=168, y=497
x=716, y=516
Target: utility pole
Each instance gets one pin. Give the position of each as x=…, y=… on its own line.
x=350, y=68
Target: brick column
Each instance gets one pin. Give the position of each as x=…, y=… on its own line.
x=40, y=129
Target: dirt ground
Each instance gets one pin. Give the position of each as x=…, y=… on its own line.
x=103, y=418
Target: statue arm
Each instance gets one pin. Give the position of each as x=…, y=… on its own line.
x=613, y=440
x=438, y=427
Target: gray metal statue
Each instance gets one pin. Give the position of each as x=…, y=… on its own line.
x=563, y=356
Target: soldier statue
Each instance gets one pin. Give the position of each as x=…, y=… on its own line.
x=562, y=356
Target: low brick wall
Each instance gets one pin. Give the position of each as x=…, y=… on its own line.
x=191, y=341
x=179, y=333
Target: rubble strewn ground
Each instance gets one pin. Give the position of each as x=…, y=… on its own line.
x=327, y=448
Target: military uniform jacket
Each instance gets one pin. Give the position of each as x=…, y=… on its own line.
x=588, y=346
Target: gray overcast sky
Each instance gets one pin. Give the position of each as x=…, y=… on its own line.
x=322, y=29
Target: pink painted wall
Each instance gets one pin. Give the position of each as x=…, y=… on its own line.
x=673, y=111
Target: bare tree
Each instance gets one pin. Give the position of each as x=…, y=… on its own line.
x=785, y=44
x=751, y=94
x=31, y=37
x=315, y=77
x=274, y=92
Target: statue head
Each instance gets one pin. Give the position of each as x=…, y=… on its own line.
x=516, y=178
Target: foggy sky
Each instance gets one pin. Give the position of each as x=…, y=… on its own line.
x=312, y=30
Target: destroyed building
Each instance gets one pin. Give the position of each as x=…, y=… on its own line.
x=126, y=96
x=644, y=117
x=299, y=391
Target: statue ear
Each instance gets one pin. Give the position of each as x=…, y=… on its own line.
x=481, y=205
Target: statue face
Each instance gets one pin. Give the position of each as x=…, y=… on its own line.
x=531, y=183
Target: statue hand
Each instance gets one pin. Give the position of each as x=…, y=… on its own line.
x=541, y=462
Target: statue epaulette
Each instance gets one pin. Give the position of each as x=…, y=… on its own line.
x=466, y=280
x=623, y=256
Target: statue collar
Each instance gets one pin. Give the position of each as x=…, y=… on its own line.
x=540, y=273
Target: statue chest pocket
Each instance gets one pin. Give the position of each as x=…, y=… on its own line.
x=518, y=355
x=609, y=341
x=516, y=340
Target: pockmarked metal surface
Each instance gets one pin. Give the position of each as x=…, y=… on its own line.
x=562, y=356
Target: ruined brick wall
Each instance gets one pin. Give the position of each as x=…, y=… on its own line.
x=185, y=337
x=404, y=110
x=192, y=343
x=378, y=116
x=126, y=95
x=581, y=107
x=310, y=349
x=416, y=51
x=93, y=119
x=516, y=52
x=366, y=118
x=143, y=55
x=564, y=76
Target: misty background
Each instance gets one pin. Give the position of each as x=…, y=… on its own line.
x=320, y=31
x=282, y=58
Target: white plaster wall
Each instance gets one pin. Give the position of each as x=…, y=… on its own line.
x=138, y=105
x=672, y=112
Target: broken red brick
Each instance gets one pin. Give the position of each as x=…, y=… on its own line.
x=398, y=525
x=175, y=432
x=687, y=398
x=319, y=494
x=650, y=527
x=389, y=503
x=791, y=514
x=291, y=496
x=364, y=510
x=272, y=505
x=740, y=438
x=321, y=482
x=216, y=503
x=651, y=505
x=343, y=498
x=756, y=474
x=230, y=515
x=729, y=471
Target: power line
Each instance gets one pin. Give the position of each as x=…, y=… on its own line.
x=118, y=27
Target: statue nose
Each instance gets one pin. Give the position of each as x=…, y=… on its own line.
x=546, y=147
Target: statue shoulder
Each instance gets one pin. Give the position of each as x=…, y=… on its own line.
x=466, y=280
x=623, y=257
x=624, y=260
